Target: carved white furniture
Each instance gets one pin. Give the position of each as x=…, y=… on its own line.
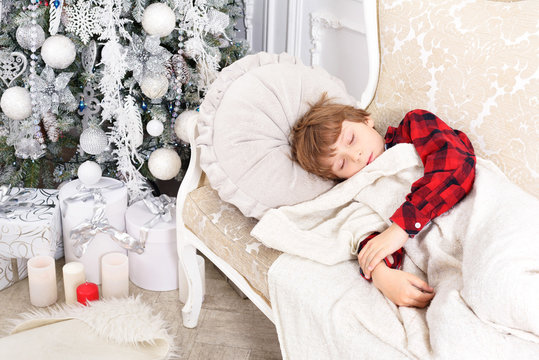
x=432, y=55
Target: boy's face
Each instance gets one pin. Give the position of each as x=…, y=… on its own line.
x=357, y=146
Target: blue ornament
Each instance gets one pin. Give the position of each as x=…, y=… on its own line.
x=197, y=109
x=56, y=3
x=82, y=105
x=144, y=106
x=170, y=107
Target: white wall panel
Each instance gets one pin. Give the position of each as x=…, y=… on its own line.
x=328, y=33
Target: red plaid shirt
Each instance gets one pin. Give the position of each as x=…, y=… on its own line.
x=449, y=160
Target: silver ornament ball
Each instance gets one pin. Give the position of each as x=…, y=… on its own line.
x=93, y=140
x=30, y=36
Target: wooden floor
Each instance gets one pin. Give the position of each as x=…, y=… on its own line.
x=229, y=327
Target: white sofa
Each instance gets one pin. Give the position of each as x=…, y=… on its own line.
x=474, y=64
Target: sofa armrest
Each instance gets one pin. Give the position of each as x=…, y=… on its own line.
x=192, y=177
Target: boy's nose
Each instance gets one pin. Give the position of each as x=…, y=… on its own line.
x=355, y=155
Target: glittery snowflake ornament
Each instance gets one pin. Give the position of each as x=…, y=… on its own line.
x=83, y=19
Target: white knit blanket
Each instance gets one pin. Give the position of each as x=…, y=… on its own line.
x=482, y=258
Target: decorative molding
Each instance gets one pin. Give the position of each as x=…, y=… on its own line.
x=370, y=12
x=295, y=13
x=248, y=20
x=320, y=22
x=265, y=26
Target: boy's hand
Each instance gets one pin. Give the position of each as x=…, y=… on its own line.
x=402, y=288
x=389, y=241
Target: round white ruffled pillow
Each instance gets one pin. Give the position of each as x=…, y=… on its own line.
x=244, y=126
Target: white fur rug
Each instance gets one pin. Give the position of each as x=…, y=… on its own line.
x=107, y=329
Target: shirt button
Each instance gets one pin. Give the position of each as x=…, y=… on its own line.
x=417, y=225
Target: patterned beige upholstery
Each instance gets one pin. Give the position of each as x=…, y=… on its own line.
x=226, y=232
x=473, y=63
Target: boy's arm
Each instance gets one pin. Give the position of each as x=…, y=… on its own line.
x=390, y=241
x=393, y=261
x=449, y=160
x=402, y=288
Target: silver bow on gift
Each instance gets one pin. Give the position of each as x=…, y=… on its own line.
x=83, y=234
x=86, y=194
x=162, y=208
x=9, y=203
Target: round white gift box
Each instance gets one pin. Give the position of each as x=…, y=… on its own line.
x=156, y=268
x=75, y=212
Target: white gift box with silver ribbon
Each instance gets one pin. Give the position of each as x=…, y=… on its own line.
x=30, y=225
x=93, y=223
x=153, y=222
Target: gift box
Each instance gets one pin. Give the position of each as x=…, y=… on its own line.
x=153, y=222
x=93, y=222
x=30, y=224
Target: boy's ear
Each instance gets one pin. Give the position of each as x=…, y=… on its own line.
x=369, y=122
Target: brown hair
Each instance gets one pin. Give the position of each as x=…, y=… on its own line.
x=314, y=134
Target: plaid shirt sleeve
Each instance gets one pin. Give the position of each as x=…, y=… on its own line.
x=393, y=261
x=449, y=160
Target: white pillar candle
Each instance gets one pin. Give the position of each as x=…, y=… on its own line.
x=114, y=276
x=42, y=280
x=183, y=281
x=73, y=277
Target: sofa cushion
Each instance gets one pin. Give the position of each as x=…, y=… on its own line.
x=475, y=66
x=244, y=126
x=226, y=232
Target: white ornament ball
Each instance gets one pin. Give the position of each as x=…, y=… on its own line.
x=159, y=20
x=110, y=51
x=58, y=51
x=30, y=36
x=183, y=124
x=155, y=127
x=16, y=103
x=93, y=140
x=164, y=163
x=154, y=86
x=89, y=172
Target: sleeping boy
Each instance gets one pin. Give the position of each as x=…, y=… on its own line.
x=337, y=141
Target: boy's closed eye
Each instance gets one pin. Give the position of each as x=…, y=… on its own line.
x=357, y=146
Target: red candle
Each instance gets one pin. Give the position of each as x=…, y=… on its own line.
x=87, y=292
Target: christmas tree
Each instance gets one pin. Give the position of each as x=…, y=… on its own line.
x=110, y=81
